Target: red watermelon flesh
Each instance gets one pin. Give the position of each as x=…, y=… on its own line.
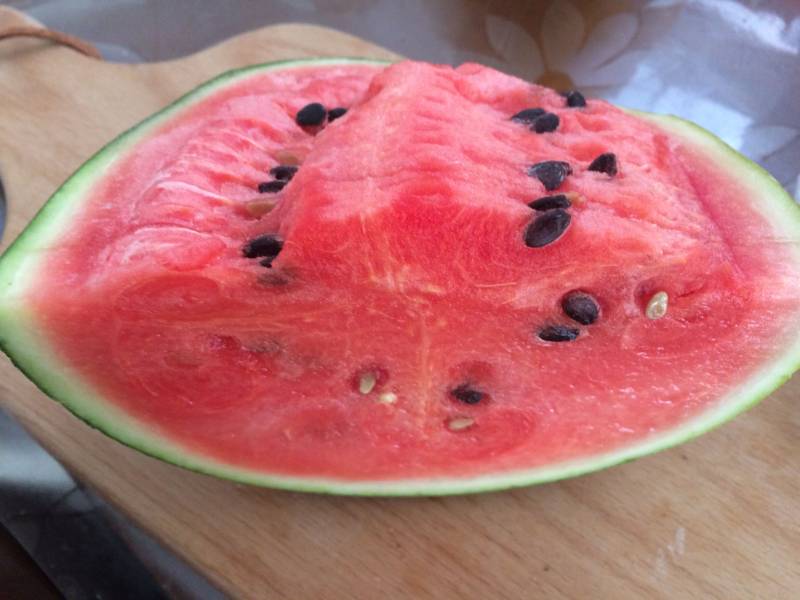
x=396, y=335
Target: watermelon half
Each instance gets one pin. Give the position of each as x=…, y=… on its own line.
x=455, y=281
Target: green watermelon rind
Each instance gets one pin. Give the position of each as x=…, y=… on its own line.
x=21, y=340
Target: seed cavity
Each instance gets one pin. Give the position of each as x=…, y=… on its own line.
x=547, y=228
x=264, y=246
x=580, y=307
x=271, y=187
x=387, y=398
x=467, y=394
x=605, y=163
x=335, y=113
x=283, y=172
x=550, y=202
x=575, y=99
x=460, y=423
x=551, y=173
x=274, y=279
x=657, y=306
x=558, y=333
x=546, y=123
x=367, y=381
x=528, y=116
x=310, y=115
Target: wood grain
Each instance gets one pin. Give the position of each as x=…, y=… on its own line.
x=716, y=518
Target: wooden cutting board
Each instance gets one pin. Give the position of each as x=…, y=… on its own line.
x=716, y=518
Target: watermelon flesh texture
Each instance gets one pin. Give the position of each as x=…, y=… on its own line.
x=404, y=275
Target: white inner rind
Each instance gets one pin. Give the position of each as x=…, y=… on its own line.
x=24, y=340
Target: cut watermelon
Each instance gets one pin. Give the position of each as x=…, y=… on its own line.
x=343, y=276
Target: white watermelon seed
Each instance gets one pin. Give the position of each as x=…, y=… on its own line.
x=576, y=198
x=460, y=423
x=657, y=306
x=259, y=207
x=367, y=381
x=387, y=398
x=287, y=157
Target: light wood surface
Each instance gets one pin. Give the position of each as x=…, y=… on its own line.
x=716, y=518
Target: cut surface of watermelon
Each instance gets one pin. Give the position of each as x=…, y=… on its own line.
x=418, y=295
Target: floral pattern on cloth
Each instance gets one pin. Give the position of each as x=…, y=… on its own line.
x=661, y=55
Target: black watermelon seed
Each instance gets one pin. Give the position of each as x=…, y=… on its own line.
x=580, y=307
x=551, y=173
x=271, y=187
x=605, y=163
x=268, y=246
x=550, y=202
x=546, y=123
x=575, y=99
x=467, y=394
x=547, y=228
x=311, y=114
x=335, y=113
x=283, y=172
x=558, y=333
x=267, y=262
x=528, y=116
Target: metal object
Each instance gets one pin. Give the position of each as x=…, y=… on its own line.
x=63, y=527
x=85, y=547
